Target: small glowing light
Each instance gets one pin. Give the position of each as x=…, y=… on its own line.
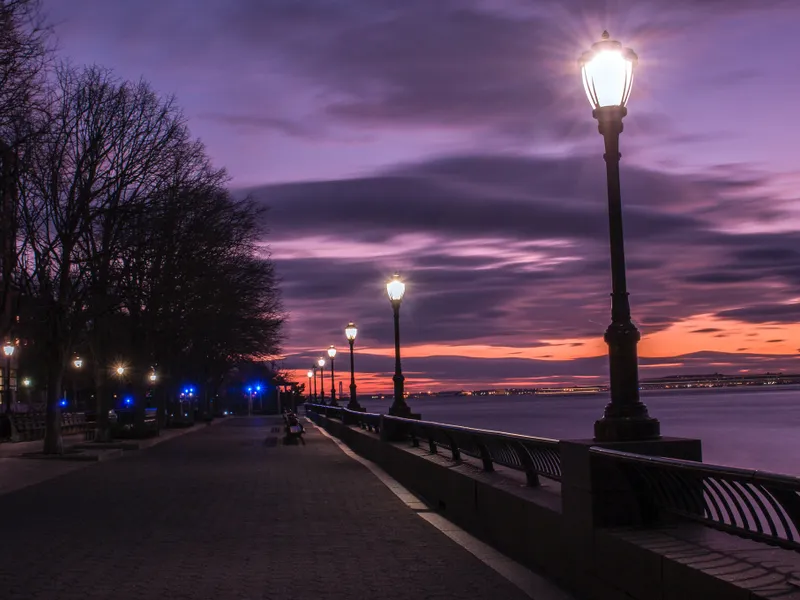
x=63, y=403
x=120, y=370
x=351, y=331
x=249, y=389
x=128, y=401
x=321, y=362
x=8, y=349
x=78, y=362
x=258, y=388
x=310, y=373
x=153, y=376
x=396, y=288
x=332, y=351
x=26, y=382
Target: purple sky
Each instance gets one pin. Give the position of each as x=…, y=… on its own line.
x=451, y=140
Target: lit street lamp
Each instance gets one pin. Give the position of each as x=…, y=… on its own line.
x=321, y=365
x=310, y=375
x=607, y=71
x=8, y=350
x=396, y=290
x=332, y=355
x=350, y=333
x=120, y=370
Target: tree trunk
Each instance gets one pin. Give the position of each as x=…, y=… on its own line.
x=102, y=426
x=53, y=442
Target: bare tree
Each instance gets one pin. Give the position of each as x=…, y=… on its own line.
x=23, y=58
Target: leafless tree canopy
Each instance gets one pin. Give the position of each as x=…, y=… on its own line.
x=129, y=243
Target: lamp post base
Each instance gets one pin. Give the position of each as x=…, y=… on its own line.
x=626, y=429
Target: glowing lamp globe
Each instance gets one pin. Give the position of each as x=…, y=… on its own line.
x=351, y=331
x=310, y=374
x=607, y=72
x=153, y=376
x=78, y=363
x=8, y=349
x=120, y=370
x=332, y=351
x=396, y=288
x=321, y=362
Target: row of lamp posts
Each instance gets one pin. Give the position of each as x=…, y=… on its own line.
x=396, y=289
x=607, y=71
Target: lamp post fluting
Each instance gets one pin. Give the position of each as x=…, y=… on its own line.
x=332, y=355
x=350, y=333
x=321, y=365
x=396, y=289
x=607, y=72
x=310, y=375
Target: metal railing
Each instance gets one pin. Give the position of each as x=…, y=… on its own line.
x=532, y=455
x=753, y=504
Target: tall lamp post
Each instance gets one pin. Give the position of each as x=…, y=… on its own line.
x=8, y=351
x=321, y=365
x=310, y=375
x=332, y=355
x=314, y=369
x=350, y=333
x=78, y=364
x=607, y=71
x=396, y=290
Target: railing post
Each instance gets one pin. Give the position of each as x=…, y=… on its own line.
x=486, y=457
x=527, y=462
x=454, y=447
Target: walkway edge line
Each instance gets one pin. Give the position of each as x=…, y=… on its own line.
x=533, y=585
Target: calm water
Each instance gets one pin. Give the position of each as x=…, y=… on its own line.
x=758, y=429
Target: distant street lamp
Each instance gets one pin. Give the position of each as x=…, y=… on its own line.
x=350, y=333
x=332, y=355
x=310, y=375
x=120, y=370
x=26, y=382
x=607, y=71
x=153, y=377
x=8, y=350
x=396, y=290
x=321, y=365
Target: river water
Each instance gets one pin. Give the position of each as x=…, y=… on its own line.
x=756, y=428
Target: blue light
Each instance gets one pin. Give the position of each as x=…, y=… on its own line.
x=63, y=403
x=258, y=388
x=186, y=391
x=128, y=401
x=249, y=389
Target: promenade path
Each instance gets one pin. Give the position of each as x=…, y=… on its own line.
x=228, y=513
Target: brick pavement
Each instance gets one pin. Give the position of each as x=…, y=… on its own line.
x=222, y=515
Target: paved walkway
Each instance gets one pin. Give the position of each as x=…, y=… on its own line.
x=225, y=514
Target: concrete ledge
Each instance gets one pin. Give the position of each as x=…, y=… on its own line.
x=76, y=455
